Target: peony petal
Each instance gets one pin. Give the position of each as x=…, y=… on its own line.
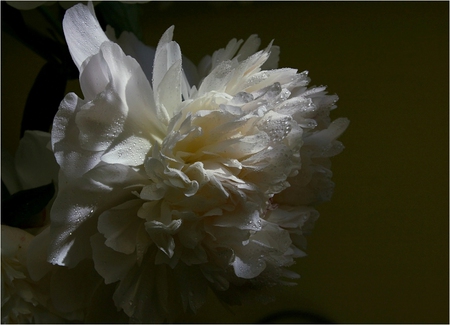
x=272, y=61
x=73, y=224
x=110, y=264
x=161, y=234
x=248, y=268
x=94, y=76
x=169, y=90
x=218, y=79
x=193, y=288
x=37, y=255
x=101, y=120
x=324, y=137
x=83, y=33
x=143, y=54
x=72, y=158
x=120, y=226
x=131, y=151
x=144, y=292
x=108, y=118
x=167, y=53
x=225, y=54
x=249, y=47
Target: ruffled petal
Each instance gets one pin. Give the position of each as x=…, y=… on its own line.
x=110, y=264
x=120, y=226
x=73, y=224
x=72, y=158
x=148, y=292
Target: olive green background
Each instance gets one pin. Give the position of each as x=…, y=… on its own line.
x=379, y=252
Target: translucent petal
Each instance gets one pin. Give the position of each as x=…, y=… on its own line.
x=169, y=90
x=144, y=54
x=167, y=53
x=83, y=33
x=94, y=76
x=249, y=47
x=324, y=137
x=225, y=54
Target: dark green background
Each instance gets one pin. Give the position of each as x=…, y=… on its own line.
x=379, y=252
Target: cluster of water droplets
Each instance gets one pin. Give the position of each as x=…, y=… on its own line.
x=80, y=214
x=277, y=129
x=255, y=225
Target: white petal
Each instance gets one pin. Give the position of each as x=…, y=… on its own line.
x=248, y=268
x=120, y=226
x=73, y=224
x=167, y=53
x=272, y=61
x=218, y=79
x=37, y=255
x=225, y=54
x=161, y=234
x=144, y=54
x=94, y=76
x=131, y=151
x=83, y=32
x=109, y=118
x=169, y=91
x=190, y=71
x=110, y=264
x=250, y=46
x=101, y=120
x=324, y=137
x=144, y=293
x=73, y=159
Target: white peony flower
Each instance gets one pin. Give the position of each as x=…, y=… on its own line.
x=176, y=179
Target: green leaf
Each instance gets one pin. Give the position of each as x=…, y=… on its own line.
x=44, y=98
x=23, y=209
